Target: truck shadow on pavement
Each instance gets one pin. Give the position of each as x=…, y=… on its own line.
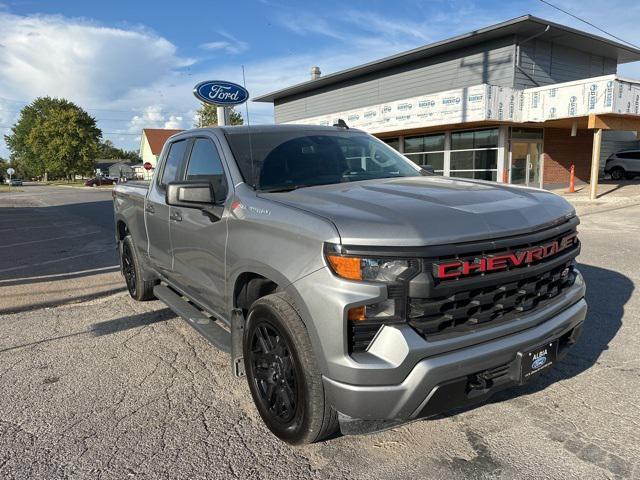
x=607, y=294
x=134, y=321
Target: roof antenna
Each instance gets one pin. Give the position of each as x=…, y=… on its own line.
x=246, y=106
x=341, y=123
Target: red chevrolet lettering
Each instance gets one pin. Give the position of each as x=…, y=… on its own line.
x=478, y=265
x=462, y=268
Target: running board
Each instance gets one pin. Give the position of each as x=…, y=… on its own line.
x=207, y=327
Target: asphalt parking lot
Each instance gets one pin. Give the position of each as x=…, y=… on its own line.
x=94, y=385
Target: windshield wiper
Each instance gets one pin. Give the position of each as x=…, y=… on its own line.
x=287, y=188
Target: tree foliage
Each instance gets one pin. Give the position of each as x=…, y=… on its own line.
x=108, y=151
x=53, y=137
x=207, y=116
x=3, y=168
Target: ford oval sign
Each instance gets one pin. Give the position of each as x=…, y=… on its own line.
x=219, y=92
x=538, y=362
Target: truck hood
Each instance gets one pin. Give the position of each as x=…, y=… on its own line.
x=416, y=211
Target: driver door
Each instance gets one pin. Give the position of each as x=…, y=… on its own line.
x=198, y=239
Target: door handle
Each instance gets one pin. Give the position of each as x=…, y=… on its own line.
x=149, y=208
x=176, y=216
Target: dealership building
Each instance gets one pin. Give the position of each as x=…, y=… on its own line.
x=518, y=102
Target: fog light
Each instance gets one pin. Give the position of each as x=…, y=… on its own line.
x=381, y=310
x=384, y=309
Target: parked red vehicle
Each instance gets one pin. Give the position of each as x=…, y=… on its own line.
x=97, y=181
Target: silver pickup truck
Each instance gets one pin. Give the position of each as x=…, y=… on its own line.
x=352, y=288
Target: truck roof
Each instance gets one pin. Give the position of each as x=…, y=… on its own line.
x=283, y=128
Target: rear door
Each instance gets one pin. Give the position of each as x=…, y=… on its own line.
x=157, y=211
x=198, y=238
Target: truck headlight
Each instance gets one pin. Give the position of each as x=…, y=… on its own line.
x=350, y=267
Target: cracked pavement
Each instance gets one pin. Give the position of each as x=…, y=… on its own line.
x=109, y=388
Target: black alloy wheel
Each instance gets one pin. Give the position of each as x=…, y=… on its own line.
x=282, y=373
x=129, y=269
x=274, y=372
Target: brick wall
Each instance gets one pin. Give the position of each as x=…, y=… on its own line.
x=561, y=150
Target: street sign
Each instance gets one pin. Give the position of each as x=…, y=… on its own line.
x=221, y=93
x=147, y=166
x=10, y=171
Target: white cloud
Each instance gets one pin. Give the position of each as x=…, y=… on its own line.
x=77, y=59
x=154, y=117
x=231, y=45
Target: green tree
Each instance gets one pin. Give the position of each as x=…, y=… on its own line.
x=3, y=168
x=207, y=116
x=53, y=137
x=108, y=151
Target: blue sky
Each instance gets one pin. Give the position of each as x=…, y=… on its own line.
x=133, y=64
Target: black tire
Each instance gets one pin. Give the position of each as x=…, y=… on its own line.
x=139, y=289
x=617, y=173
x=630, y=176
x=283, y=377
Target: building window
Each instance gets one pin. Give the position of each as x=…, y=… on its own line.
x=527, y=133
x=392, y=142
x=426, y=150
x=474, y=154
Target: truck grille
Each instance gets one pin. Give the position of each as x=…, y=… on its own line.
x=451, y=307
x=469, y=309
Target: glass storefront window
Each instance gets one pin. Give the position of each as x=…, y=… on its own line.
x=436, y=160
x=527, y=133
x=392, y=142
x=474, y=160
x=429, y=143
x=462, y=160
x=478, y=164
x=474, y=139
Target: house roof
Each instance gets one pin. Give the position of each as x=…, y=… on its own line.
x=525, y=26
x=157, y=137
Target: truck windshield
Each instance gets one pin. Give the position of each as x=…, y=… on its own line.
x=282, y=161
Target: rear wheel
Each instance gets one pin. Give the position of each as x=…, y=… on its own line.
x=617, y=173
x=139, y=289
x=284, y=380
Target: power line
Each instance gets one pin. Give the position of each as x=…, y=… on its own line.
x=589, y=23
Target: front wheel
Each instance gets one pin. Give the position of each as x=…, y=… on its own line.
x=284, y=380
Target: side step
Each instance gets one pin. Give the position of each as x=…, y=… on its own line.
x=207, y=327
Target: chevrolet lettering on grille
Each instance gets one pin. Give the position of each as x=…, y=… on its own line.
x=451, y=269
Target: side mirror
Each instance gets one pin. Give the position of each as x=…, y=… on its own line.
x=428, y=169
x=190, y=195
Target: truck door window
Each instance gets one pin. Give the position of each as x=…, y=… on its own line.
x=205, y=166
x=172, y=164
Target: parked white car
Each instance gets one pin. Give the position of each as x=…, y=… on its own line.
x=624, y=164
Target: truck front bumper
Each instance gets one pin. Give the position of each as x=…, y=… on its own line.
x=454, y=379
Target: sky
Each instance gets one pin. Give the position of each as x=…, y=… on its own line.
x=133, y=64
